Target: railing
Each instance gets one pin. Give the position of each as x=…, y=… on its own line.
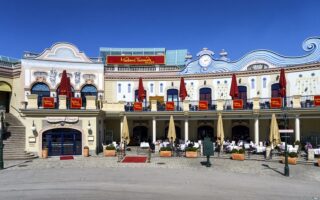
x=129, y=106
x=307, y=101
x=177, y=106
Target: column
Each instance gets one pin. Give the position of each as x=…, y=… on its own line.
x=256, y=130
x=297, y=128
x=186, y=130
x=154, y=123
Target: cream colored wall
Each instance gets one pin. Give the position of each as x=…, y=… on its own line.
x=110, y=91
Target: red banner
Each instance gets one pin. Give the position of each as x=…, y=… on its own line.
x=237, y=104
x=276, y=102
x=203, y=105
x=137, y=106
x=317, y=100
x=47, y=102
x=75, y=103
x=170, y=106
x=136, y=60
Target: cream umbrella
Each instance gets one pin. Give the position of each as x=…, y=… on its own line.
x=274, y=135
x=171, y=130
x=220, y=131
x=125, y=130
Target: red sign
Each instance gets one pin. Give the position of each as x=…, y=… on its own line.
x=47, y=102
x=203, y=105
x=137, y=106
x=136, y=60
x=75, y=103
x=276, y=102
x=317, y=100
x=170, y=106
x=237, y=104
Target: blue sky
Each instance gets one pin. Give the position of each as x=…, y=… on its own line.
x=239, y=26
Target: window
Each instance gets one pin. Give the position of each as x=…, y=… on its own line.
x=275, y=88
x=172, y=95
x=264, y=82
x=243, y=94
x=129, y=88
x=161, y=87
x=205, y=95
x=88, y=90
x=151, y=88
x=119, y=88
x=252, y=84
x=42, y=90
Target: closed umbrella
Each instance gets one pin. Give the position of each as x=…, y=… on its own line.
x=220, y=131
x=234, y=92
x=125, y=130
x=141, y=92
x=171, y=130
x=183, y=91
x=274, y=136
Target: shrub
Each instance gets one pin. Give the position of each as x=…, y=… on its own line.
x=194, y=149
x=241, y=151
x=234, y=151
x=110, y=147
x=293, y=155
x=165, y=149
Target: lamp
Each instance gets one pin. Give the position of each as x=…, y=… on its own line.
x=33, y=127
x=89, y=126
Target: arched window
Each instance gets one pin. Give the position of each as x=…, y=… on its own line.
x=275, y=90
x=205, y=95
x=88, y=90
x=119, y=88
x=264, y=82
x=161, y=87
x=129, y=88
x=252, y=84
x=42, y=90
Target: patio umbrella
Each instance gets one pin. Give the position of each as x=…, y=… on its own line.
x=274, y=135
x=171, y=130
x=220, y=131
x=183, y=92
x=234, y=87
x=63, y=88
x=141, y=93
x=125, y=130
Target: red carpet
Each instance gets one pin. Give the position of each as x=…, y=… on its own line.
x=134, y=159
x=66, y=157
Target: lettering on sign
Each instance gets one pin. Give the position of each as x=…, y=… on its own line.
x=136, y=60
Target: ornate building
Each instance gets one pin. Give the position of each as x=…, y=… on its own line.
x=105, y=89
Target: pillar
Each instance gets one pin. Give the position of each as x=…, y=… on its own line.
x=256, y=130
x=121, y=126
x=186, y=130
x=154, y=124
x=297, y=128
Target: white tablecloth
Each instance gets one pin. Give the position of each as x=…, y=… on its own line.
x=316, y=151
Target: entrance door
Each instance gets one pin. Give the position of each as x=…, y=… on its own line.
x=62, y=141
x=240, y=133
x=140, y=134
x=205, y=131
x=5, y=95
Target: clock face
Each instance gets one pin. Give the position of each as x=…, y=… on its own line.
x=205, y=61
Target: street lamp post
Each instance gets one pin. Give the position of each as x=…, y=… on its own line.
x=286, y=166
x=1, y=142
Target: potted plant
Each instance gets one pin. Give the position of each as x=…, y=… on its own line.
x=110, y=150
x=165, y=152
x=86, y=151
x=45, y=152
x=237, y=154
x=191, y=152
x=292, y=158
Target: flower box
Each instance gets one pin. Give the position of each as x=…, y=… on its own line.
x=45, y=153
x=291, y=161
x=165, y=153
x=109, y=153
x=86, y=151
x=191, y=154
x=237, y=156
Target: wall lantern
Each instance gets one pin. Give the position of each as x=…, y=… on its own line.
x=33, y=127
x=89, y=126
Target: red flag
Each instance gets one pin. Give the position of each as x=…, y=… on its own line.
x=69, y=92
x=282, y=83
x=234, y=87
x=63, y=84
x=141, y=92
x=183, y=92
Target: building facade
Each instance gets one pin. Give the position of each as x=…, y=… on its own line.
x=107, y=89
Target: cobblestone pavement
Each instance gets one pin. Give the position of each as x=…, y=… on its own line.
x=224, y=164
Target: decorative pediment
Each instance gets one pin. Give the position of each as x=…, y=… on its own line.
x=64, y=52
